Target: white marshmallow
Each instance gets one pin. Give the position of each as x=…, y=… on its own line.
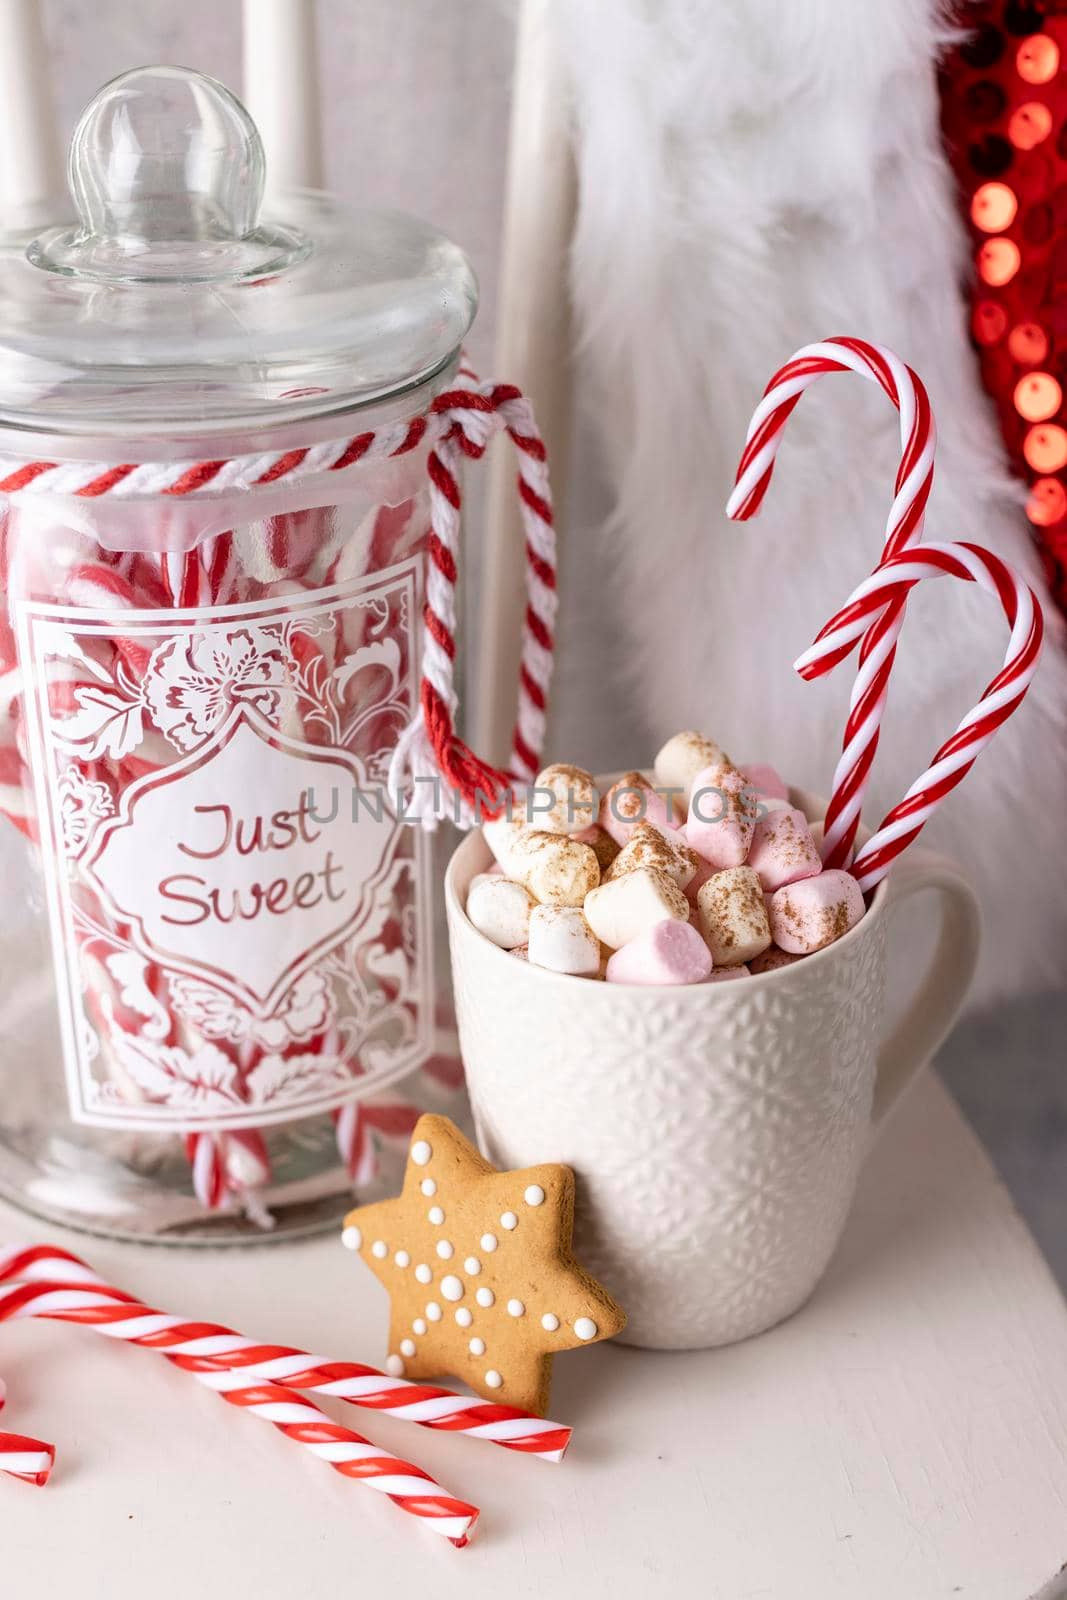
x=562, y=941
x=628, y=906
x=574, y=803
x=499, y=908
x=502, y=836
x=656, y=847
x=556, y=869
x=682, y=757
x=553, y=867
x=732, y=916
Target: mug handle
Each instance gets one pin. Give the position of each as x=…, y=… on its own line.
x=933, y=1009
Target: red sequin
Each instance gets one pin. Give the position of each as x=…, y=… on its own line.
x=1004, y=117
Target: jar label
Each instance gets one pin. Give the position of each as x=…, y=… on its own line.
x=241, y=921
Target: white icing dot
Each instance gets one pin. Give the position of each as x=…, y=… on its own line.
x=477, y=1347
x=419, y=1326
x=394, y=1366
x=489, y=1242
x=534, y=1195
x=436, y=1215
x=550, y=1321
x=585, y=1328
x=351, y=1238
x=473, y=1266
x=402, y=1258
x=421, y=1152
x=380, y=1249
x=433, y=1311
x=452, y=1287
x=493, y=1378
x=485, y=1297
x=428, y=1187
x=516, y=1308
x=463, y=1316
x=445, y=1249
x=407, y=1347
x=423, y=1273
x=509, y=1220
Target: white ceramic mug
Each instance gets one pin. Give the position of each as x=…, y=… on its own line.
x=716, y=1130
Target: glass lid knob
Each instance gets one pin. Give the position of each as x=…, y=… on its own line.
x=166, y=169
x=165, y=153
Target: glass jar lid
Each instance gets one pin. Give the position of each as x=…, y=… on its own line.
x=173, y=306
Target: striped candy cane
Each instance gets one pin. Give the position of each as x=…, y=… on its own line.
x=228, y=1361
x=120, y=1317
x=904, y=527
x=885, y=591
x=20, y=1457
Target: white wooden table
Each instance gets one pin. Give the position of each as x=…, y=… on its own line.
x=904, y=1436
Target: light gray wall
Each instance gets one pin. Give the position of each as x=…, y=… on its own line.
x=416, y=96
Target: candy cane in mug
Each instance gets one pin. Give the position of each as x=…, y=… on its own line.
x=885, y=591
x=904, y=527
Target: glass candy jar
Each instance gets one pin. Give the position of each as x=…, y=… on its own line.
x=219, y=1007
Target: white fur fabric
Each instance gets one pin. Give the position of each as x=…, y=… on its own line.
x=754, y=175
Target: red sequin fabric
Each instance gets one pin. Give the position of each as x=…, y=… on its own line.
x=1004, y=117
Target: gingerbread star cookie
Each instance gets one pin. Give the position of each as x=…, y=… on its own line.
x=479, y=1269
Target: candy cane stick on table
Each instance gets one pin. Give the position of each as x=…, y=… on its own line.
x=29, y=1459
x=121, y=1317
x=886, y=590
x=209, y=1348
x=903, y=528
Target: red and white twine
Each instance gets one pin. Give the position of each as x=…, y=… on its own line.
x=904, y=527
x=885, y=593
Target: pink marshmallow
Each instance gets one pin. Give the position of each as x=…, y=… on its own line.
x=670, y=952
x=722, y=817
x=812, y=913
x=630, y=801
x=768, y=780
x=700, y=877
x=783, y=850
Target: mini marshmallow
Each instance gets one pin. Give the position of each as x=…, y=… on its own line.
x=811, y=914
x=552, y=866
x=656, y=847
x=783, y=850
x=562, y=941
x=503, y=835
x=699, y=878
x=630, y=801
x=724, y=974
x=574, y=800
x=732, y=917
x=499, y=908
x=629, y=906
x=765, y=779
x=771, y=960
x=770, y=802
x=602, y=844
x=670, y=952
x=522, y=951
x=681, y=758
x=722, y=816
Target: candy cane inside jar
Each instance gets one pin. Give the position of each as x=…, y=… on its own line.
x=230, y=451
